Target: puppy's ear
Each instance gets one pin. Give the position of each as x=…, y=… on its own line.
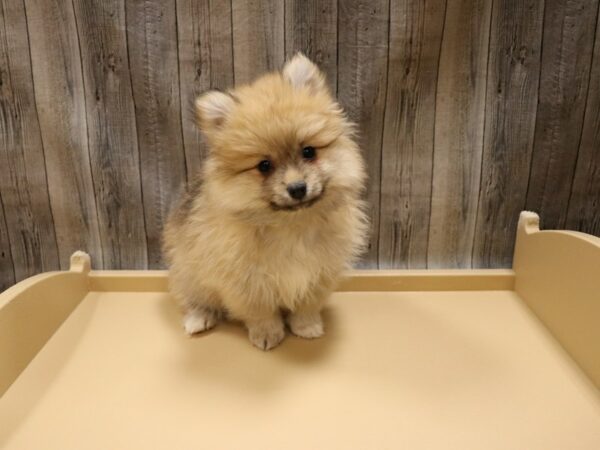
x=212, y=108
x=301, y=72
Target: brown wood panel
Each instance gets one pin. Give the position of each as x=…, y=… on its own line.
x=566, y=58
x=7, y=268
x=258, y=37
x=58, y=82
x=311, y=27
x=205, y=62
x=363, y=32
x=152, y=44
x=23, y=182
x=408, y=134
x=112, y=132
x=459, y=123
x=584, y=205
x=511, y=101
x=466, y=115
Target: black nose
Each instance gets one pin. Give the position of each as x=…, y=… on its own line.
x=297, y=190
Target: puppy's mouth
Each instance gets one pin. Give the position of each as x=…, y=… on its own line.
x=297, y=206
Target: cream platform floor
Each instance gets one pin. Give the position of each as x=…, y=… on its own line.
x=455, y=367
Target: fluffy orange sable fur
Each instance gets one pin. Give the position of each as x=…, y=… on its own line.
x=276, y=215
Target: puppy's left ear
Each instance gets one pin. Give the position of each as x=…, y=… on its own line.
x=301, y=72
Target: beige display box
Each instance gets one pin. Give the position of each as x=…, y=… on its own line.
x=464, y=359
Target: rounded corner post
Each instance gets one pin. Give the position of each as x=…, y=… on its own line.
x=80, y=262
x=529, y=222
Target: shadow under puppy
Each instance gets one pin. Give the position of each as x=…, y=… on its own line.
x=276, y=214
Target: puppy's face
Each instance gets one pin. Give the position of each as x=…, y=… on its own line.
x=280, y=144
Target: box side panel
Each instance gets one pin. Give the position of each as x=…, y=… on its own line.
x=30, y=313
x=558, y=277
x=353, y=281
x=427, y=280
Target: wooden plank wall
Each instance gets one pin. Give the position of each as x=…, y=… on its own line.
x=469, y=111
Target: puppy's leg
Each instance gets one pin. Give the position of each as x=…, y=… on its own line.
x=201, y=312
x=199, y=319
x=261, y=316
x=267, y=331
x=305, y=321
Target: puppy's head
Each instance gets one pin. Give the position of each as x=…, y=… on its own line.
x=279, y=144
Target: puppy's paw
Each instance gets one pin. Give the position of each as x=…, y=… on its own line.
x=266, y=335
x=306, y=325
x=199, y=320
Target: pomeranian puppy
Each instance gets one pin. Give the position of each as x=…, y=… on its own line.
x=276, y=215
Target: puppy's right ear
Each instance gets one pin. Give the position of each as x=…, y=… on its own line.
x=212, y=109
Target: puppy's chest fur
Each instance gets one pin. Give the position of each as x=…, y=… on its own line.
x=283, y=262
x=295, y=250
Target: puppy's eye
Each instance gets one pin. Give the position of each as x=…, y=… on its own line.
x=264, y=166
x=309, y=152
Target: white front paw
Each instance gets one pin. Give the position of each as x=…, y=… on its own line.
x=199, y=320
x=266, y=335
x=306, y=325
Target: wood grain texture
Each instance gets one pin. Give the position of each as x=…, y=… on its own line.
x=23, y=182
x=205, y=43
x=58, y=82
x=584, y=205
x=363, y=32
x=408, y=134
x=467, y=110
x=566, y=58
x=511, y=100
x=152, y=44
x=112, y=132
x=460, y=107
x=7, y=268
x=258, y=37
x=311, y=28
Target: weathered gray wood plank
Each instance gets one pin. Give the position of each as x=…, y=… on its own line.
x=7, y=268
x=112, y=132
x=584, y=205
x=408, y=134
x=566, y=58
x=152, y=44
x=58, y=81
x=459, y=123
x=363, y=28
x=311, y=27
x=513, y=80
x=23, y=183
x=258, y=38
x=205, y=62
x=97, y=127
